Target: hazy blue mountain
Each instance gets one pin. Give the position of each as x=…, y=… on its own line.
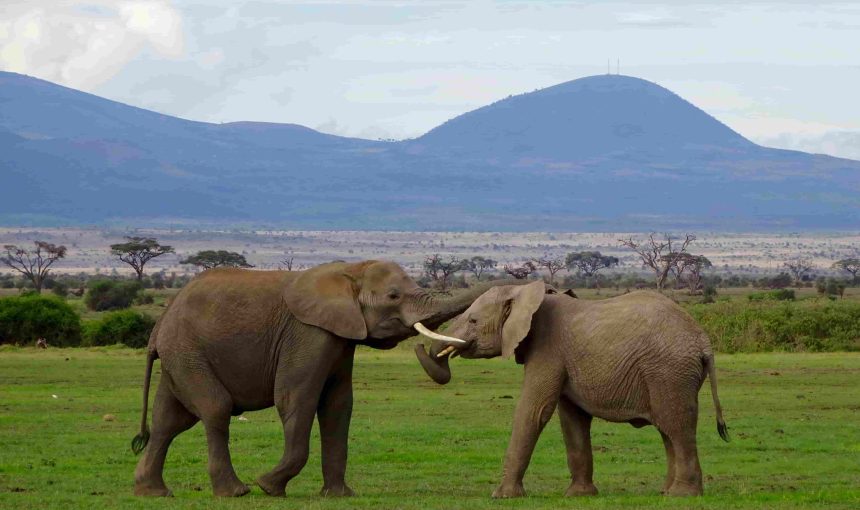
x=599, y=153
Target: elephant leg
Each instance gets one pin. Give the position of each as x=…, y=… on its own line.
x=576, y=429
x=541, y=389
x=298, y=388
x=676, y=417
x=169, y=419
x=670, y=462
x=296, y=409
x=334, y=413
x=202, y=393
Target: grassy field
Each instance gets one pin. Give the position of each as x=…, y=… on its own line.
x=794, y=418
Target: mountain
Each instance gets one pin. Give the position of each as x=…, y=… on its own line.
x=607, y=152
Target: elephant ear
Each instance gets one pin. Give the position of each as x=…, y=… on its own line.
x=327, y=297
x=523, y=303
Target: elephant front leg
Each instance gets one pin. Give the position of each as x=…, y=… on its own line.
x=334, y=413
x=534, y=409
x=296, y=410
x=576, y=428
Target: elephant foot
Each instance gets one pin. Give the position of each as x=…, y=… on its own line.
x=336, y=491
x=232, y=490
x=681, y=489
x=271, y=487
x=509, y=491
x=142, y=489
x=581, y=489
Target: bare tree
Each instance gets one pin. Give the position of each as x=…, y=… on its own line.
x=33, y=264
x=440, y=271
x=798, y=267
x=287, y=263
x=137, y=251
x=521, y=272
x=479, y=265
x=552, y=264
x=851, y=265
x=659, y=255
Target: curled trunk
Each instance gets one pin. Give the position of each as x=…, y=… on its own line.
x=437, y=367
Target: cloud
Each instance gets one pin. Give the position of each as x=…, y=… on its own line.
x=843, y=144
x=83, y=44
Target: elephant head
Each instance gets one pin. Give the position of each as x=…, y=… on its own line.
x=494, y=325
x=374, y=303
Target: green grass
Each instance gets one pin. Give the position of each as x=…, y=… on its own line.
x=794, y=419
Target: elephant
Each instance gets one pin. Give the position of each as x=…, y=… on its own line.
x=235, y=340
x=637, y=358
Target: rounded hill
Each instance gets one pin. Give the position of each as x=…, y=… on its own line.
x=592, y=116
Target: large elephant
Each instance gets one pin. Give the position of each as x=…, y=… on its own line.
x=637, y=358
x=235, y=340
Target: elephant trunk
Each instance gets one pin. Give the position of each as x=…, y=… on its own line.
x=435, y=367
x=433, y=311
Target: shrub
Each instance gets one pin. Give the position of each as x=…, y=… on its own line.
x=125, y=327
x=773, y=295
x=111, y=294
x=144, y=298
x=808, y=325
x=60, y=289
x=709, y=294
x=24, y=319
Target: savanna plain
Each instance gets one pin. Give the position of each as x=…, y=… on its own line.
x=793, y=419
x=67, y=415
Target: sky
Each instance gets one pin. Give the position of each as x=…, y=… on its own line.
x=782, y=73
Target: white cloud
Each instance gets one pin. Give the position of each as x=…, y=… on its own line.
x=83, y=44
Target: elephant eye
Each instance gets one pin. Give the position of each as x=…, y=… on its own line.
x=473, y=320
x=393, y=296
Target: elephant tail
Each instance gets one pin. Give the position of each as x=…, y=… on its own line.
x=711, y=367
x=140, y=440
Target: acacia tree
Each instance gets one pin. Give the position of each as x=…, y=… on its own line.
x=551, y=264
x=851, y=265
x=659, y=255
x=479, y=265
x=440, y=271
x=33, y=264
x=137, y=251
x=798, y=267
x=589, y=263
x=208, y=259
x=521, y=272
x=692, y=264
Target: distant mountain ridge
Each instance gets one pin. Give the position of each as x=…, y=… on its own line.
x=603, y=152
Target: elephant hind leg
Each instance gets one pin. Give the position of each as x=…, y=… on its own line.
x=169, y=419
x=676, y=418
x=206, y=397
x=670, y=463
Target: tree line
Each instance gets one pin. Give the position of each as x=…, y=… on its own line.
x=667, y=257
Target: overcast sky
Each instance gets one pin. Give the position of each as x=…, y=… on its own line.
x=783, y=73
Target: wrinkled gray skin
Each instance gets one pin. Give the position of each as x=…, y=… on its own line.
x=637, y=358
x=235, y=340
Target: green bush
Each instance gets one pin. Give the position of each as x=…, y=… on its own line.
x=809, y=325
x=24, y=319
x=125, y=327
x=772, y=295
x=111, y=294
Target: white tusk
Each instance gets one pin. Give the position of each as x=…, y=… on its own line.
x=436, y=336
x=446, y=350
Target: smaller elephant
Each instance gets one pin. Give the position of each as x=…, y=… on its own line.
x=637, y=358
